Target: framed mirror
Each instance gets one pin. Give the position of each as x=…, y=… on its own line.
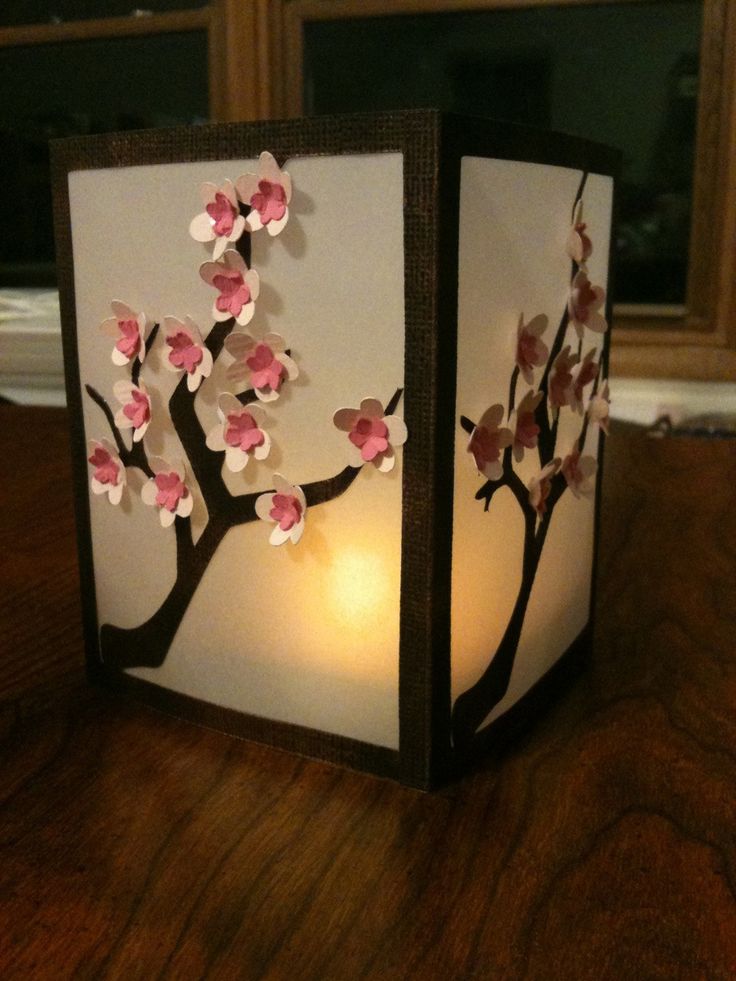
x=653, y=77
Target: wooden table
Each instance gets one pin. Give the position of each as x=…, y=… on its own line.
x=602, y=846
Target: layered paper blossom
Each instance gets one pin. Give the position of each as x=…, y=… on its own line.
x=186, y=350
x=599, y=408
x=129, y=330
x=237, y=287
x=584, y=303
x=372, y=436
x=585, y=374
x=561, y=379
x=108, y=472
x=167, y=491
x=523, y=425
x=263, y=365
x=268, y=193
x=579, y=245
x=135, y=408
x=488, y=440
x=540, y=486
x=221, y=221
x=531, y=351
x=240, y=432
x=287, y=507
x=579, y=472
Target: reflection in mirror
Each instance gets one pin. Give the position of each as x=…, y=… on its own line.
x=623, y=74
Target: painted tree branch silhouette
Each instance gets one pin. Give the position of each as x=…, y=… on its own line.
x=473, y=706
x=147, y=644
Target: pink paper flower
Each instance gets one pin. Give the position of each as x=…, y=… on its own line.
x=240, y=432
x=108, y=473
x=186, y=351
x=268, y=193
x=167, y=490
x=523, y=424
x=263, y=365
x=372, y=436
x=599, y=408
x=579, y=472
x=237, y=287
x=561, y=379
x=135, y=411
x=531, y=351
x=540, y=486
x=221, y=221
x=579, y=245
x=129, y=330
x=287, y=507
x=586, y=373
x=487, y=441
x=584, y=303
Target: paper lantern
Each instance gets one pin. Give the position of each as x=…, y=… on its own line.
x=338, y=389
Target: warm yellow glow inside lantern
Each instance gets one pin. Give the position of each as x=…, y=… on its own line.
x=358, y=586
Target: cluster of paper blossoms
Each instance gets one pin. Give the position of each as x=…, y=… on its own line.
x=263, y=365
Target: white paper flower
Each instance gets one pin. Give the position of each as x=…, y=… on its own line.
x=531, y=351
x=268, y=193
x=372, y=436
x=584, y=303
x=579, y=245
x=586, y=373
x=600, y=407
x=237, y=286
x=135, y=410
x=129, y=330
x=168, y=491
x=239, y=433
x=523, y=424
x=287, y=507
x=186, y=351
x=579, y=472
x=487, y=441
x=561, y=379
x=540, y=486
x=263, y=365
x=221, y=221
x=108, y=474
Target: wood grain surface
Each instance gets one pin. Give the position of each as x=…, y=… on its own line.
x=601, y=846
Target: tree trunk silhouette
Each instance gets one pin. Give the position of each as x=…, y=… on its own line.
x=474, y=704
x=148, y=644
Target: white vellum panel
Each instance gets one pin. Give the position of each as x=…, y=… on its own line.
x=514, y=223
x=306, y=634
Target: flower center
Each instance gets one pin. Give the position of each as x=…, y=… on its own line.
x=184, y=352
x=241, y=431
x=234, y=292
x=106, y=469
x=138, y=410
x=170, y=490
x=269, y=201
x=129, y=343
x=266, y=371
x=370, y=435
x=287, y=510
x=222, y=213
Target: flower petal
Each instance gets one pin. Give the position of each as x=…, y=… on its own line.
x=200, y=228
x=397, y=432
x=263, y=506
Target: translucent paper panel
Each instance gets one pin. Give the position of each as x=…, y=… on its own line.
x=306, y=634
x=514, y=225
